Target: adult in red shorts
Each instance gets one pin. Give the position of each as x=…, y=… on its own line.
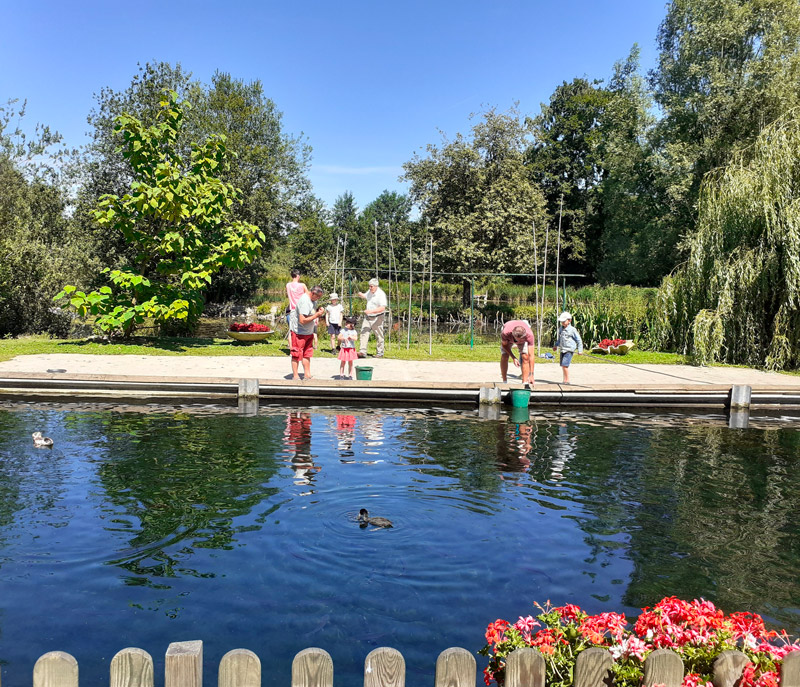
x=517, y=333
x=303, y=320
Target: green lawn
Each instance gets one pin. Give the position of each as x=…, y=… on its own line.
x=277, y=346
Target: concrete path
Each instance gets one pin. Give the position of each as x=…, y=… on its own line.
x=584, y=376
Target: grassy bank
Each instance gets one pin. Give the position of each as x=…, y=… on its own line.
x=32, y=345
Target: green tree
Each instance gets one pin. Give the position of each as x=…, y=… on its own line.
x=635, y=246
x=726, y=69
x=737, y=298
x=40, y=246
x=177, y=216
x=312, y=242
x=267, y=165
x=565, y=161
x=477, y=198
x=388, y=216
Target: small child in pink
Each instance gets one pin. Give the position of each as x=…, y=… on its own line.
x=347, y=340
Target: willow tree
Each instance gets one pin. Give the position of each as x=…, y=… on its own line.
x=737, y=298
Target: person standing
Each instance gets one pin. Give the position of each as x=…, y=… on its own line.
x=568, y=342
x=517, y=333
x=303, y=322
x=294, y=289
x=374, y=312
x=333, y=318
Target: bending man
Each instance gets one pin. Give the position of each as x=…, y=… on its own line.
x=517, y=333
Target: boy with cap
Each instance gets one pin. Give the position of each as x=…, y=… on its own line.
x=568, y=343
x=373, y=317
x=333, y=318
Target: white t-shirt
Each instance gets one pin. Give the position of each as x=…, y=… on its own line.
x=349, y=337
x=376, y=300
x=335, y=313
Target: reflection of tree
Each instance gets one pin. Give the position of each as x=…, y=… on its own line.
x=180, y=482
x=718, y=519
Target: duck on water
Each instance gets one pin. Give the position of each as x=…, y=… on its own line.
x=364, y=519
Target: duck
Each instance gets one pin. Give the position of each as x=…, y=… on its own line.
x=365, y=519
x=41, y=442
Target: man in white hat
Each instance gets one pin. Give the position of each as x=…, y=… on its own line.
x=333, y=318
x=373, y=317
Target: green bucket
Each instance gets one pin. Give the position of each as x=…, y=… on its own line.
x=520, y=398
x=363, y=373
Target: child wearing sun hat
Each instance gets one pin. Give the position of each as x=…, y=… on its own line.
x=333, y=318
x=568, y=342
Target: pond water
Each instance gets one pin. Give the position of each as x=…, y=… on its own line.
x=142, y=528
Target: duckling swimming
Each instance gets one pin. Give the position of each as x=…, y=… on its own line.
x=365, y=519
x=41, y=442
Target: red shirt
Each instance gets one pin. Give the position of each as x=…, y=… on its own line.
x=507, y=338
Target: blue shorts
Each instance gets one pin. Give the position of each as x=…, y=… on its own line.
x=334, y=329
x=565, y=358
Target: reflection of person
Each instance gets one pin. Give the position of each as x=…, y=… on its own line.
x=517, y=333
x=373, y=317
x=347, y=341
x=345, y=429
x=568, y=342
x=333, y=318
x=298, y=439
x=304, y=319
x=294, y=289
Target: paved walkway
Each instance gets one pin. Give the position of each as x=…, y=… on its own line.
x=584, y=375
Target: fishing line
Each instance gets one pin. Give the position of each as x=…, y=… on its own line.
x=641, y=369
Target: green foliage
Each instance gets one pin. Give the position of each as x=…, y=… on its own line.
x=40, y=246
x=177, y=217
x=477, y=199
x=737, y=298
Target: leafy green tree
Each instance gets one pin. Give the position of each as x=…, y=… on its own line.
x=177, y=216
x=736, y=298
x=636, y=248
x=40, y=246
x=565, y=161
x=267, y=165
x=355, y=245
x=389, y=216
x=726, y=69
x=477, y=197
x=312, y=242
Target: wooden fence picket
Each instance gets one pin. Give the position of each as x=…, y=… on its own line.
x=663, y=667
x=183, y=666
x=131, y=667
x=56, y=669
x=312, y=668
x=525, y=668
x=455, y=668
x=593, y=668
x=728, y=668
x=239, y=668
x=384, y=667
x=790, y=670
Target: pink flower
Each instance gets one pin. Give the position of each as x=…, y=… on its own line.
x=527, y=624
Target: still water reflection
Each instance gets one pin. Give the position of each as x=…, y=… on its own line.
x=138, y=529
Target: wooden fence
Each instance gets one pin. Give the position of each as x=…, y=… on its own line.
x=385, y=667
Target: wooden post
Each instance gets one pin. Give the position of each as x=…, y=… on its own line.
x=728, y=668
x=239, y=668
x=790, y=670
x=455, y=668
x=384, y=667
x=55, y=669
x=593, y=668
x=183, y=666
x=312, y=668
x=525, y=668
x=131, y=667
x=663, y=667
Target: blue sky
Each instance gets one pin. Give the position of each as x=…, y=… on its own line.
x=367, y=83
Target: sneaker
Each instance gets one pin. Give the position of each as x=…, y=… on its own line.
x=362, y=355
x=378, y=355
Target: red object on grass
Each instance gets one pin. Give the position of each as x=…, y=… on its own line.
x=242, y=327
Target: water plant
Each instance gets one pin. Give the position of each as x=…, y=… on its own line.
x=696, y=630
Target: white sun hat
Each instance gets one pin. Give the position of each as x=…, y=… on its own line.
x=334, y=296
x=564, y=316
